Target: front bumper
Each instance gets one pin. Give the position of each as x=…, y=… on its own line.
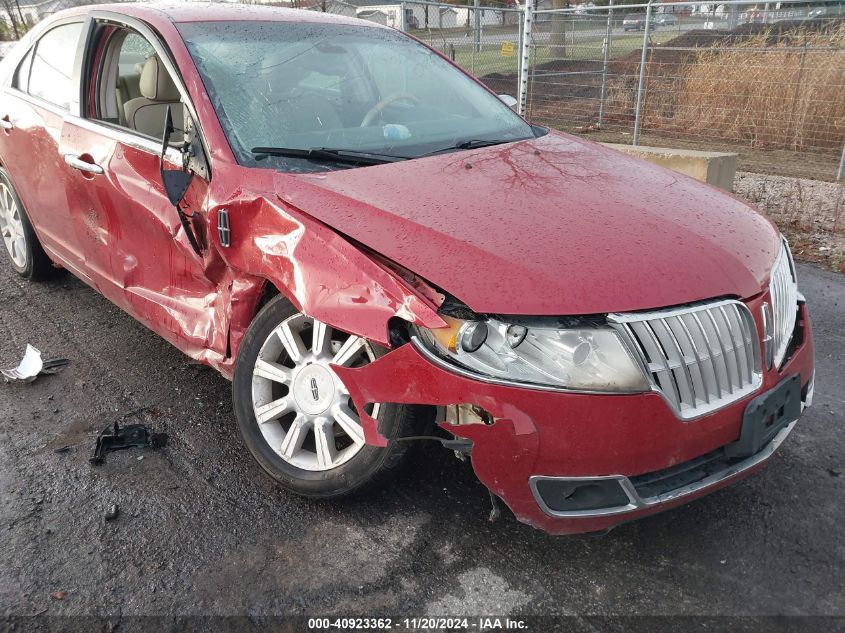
x=546, y=435
x=633, y=488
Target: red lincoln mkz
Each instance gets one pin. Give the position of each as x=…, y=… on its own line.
x=373, y=247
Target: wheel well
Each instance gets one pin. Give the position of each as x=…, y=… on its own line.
x=243, y=320
x=269, y=291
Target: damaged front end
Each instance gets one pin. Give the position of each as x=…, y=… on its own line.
x=569, y=460
x=558, y=415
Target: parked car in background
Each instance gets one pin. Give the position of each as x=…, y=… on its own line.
x=826, y=10
x=635, y=22
x=665, y=19
x=378, y=252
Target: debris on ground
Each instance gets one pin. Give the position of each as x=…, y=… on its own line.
x=54, y=366
x=591, y=127
x=116, y=438
x=58, y=595
x=29, y=367
x=32, y=366
x=113, y=512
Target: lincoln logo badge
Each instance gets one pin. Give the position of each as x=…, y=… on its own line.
x=315, y=393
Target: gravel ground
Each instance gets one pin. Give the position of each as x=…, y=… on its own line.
x=202, y=531
x=811, y=213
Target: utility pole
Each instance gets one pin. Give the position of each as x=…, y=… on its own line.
x=525, y=58
x=607, y=44
x=477, y=12
x=641, y=84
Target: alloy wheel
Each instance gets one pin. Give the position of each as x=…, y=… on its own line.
x=302, y=408
x=11, y=227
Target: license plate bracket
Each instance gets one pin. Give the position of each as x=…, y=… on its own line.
x=766, y=415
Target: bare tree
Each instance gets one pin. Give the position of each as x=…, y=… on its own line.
x=12, y=18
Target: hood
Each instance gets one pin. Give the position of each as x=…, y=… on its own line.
x=549, y=226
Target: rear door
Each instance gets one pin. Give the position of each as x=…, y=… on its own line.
x=133, y=233
x=41, y=92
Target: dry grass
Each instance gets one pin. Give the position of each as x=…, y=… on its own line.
x=770, y=91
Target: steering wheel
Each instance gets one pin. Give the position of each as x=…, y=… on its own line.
x=381, y=105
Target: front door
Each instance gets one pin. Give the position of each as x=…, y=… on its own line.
x=128, y=227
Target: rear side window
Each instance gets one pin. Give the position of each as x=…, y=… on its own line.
x=50, y=76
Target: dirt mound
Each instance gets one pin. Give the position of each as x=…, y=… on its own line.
x=684, y=47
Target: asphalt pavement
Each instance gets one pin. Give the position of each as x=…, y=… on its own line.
x=202, y=531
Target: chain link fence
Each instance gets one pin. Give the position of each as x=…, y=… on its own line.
x=733, y=76
x=763, y=79
x=485, y=41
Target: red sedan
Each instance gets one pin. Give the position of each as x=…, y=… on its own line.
x=379, y=252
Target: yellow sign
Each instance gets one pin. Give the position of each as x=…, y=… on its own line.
x=507, y=49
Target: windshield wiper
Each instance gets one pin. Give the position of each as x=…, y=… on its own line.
x=328, y=154
x=470, y=144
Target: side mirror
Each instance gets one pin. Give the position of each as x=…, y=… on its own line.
x=508, y=101
x=175, y=181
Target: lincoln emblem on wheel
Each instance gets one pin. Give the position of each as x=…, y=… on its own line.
x=379, y=252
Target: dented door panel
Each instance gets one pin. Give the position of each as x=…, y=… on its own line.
x=132, y=240
x=38, y=170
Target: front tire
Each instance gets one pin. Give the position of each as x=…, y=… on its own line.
x=295, y=415
x=22, y=246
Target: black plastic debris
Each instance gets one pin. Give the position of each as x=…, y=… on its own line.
x=116, y=438
x=54, y=366
x=112, y=513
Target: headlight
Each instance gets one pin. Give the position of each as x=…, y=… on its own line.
x=783, y=291
x=588, y=358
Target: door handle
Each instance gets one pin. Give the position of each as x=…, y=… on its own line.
x=82, y=165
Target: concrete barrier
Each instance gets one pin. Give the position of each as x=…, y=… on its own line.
x=715, y=168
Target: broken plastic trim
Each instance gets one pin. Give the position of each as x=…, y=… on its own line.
x=459, y=414
x=115, y=438
x=457, y=444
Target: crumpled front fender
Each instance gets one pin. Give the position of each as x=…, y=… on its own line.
x=318, y=270
x=502, y=453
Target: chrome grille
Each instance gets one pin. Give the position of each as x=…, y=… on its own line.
x=699, y=357
x=783, y=290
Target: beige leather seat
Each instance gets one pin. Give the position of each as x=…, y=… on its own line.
x=146, y=113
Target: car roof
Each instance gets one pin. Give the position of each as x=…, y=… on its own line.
x=215, y=12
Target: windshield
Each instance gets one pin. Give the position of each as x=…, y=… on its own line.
x=304, y=86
